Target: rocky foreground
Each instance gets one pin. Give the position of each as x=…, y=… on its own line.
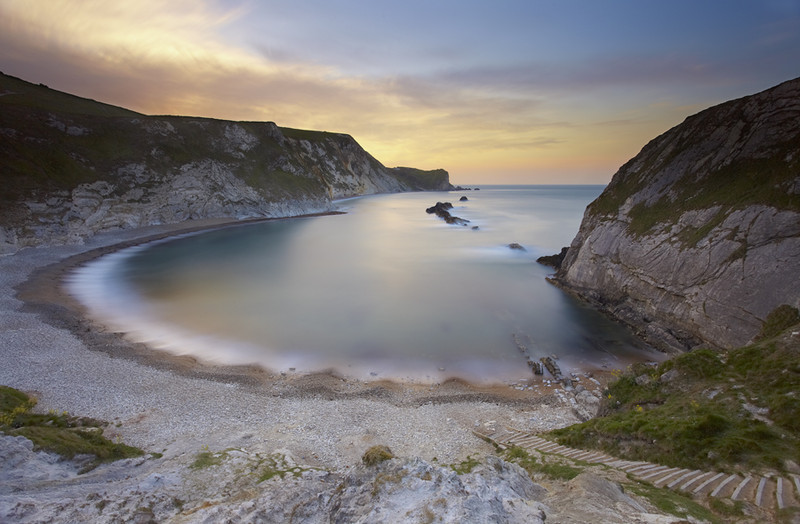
x=246, y=445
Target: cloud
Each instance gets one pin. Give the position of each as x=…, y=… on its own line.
x=180, y=57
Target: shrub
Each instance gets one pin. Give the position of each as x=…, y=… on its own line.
x=376, y=455
x=779, y=319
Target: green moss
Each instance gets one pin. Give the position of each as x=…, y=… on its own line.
x=207, y=459
x=556, y=468
x=735, y=186
x=465, y=466
x=376, y=455
x=778, y=320
x=58, y=433
x=674, y=503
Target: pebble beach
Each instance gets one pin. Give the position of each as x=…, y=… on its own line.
x=176, y=406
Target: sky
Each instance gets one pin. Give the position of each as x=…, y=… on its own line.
x=502, y=91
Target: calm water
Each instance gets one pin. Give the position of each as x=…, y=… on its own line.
x=384, y=290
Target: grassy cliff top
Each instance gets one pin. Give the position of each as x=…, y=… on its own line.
x=15, y=91
x=734, y=411
x=740, y=153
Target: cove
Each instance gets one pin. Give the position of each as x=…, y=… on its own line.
x=381, y=291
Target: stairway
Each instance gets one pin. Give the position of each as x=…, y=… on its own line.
x=765, y=491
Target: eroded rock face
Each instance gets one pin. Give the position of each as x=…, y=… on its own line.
x=697, y=238
x=238, y=489
x=91, y=168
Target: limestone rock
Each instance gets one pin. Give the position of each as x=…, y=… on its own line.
x=697, y=238
x=68, y=176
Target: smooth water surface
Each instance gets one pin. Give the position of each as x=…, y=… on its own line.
x=384, y=290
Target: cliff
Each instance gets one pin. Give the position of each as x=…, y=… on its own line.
x=697, y=238
x=72, y=167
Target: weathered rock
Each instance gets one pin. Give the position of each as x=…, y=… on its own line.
x=70, y=175
x=553, y=260
x=516, y=246
x=251, y=487
x=697, y=238
x=440, y=209
x=463, y=199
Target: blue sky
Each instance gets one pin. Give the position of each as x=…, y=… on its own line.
x=495, y=92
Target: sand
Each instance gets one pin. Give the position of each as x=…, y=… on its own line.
x=178, y=406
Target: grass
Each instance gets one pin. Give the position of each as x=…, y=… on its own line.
x=207, y=459
x=277, y=466
x=376, y=455
x=678, y=504
x=465, y=466
x=62, y=433
x=732, y=184
x=730, y=411
x=554, y=468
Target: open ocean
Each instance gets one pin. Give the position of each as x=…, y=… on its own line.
x=383, y=291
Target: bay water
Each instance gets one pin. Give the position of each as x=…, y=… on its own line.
x=384, y=290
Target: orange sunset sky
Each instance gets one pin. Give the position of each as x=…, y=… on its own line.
x=495, y=92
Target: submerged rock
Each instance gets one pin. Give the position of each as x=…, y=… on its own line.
x=441, y=211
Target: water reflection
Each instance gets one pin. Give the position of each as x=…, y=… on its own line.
x=385, y=289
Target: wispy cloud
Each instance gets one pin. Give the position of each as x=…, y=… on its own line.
x=427, y=102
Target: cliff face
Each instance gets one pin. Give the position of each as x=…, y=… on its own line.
x=72, y=167
x=697, y=238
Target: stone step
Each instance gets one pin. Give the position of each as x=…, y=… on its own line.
x=709, y=483
x=744, y=488
x=669, y=476
x=726, y=487
x=767, y=492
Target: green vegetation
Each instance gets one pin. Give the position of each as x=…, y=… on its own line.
x=555, y=467
x=421, y=179
x=682, y=505
x=308, y=134
x=206, y=459
x=63, y=434
x=465, y=466
x=277, y=466
x=682, y=154
x=22, y=93
x=731, y=411
x=376, y=455
x=735, y=186
x=779, y=319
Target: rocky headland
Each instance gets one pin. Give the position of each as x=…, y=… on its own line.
x=697, y=238
x=74, y=167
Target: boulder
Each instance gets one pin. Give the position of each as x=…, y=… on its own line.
x=440, y=209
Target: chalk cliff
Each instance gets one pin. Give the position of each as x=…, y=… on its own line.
x=697, y=238
x=72, y=167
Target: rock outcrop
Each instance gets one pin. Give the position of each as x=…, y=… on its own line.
x=242, y=486
x=73, y=167
x=441, y=210
x=697, y=238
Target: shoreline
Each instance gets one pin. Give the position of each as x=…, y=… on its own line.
x=177, y=405
x=58, y=307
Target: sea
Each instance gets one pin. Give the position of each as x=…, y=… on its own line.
x=383, y=290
